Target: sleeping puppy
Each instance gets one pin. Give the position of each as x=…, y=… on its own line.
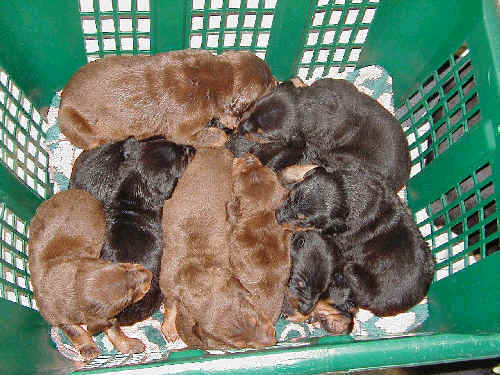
x=132, y=179
x=71, y=285
x=174, y=94
x=205, y=302
x=327, y=123
x=259, y=256
x=378, y=259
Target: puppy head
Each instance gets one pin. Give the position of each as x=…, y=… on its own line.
x=272, y=118
x=256, y=185
x=318, y=201
x=150, y=166
x=312, y=267
x=110, y=287
x=252, y=79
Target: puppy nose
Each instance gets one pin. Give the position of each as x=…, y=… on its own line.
x=305, y=307
x=246, y=126
x=189, y=151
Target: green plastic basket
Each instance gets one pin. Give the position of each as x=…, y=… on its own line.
x=444, y=60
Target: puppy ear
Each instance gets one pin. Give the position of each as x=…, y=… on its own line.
x=130, y=146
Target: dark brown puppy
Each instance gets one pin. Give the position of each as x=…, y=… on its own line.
x=259, y=245
x=72, y=286
x=327, y=123
x=132, y=179
x=205, y=302
x=368, y=251
x=173, y=94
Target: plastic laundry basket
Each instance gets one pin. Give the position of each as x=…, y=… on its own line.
x=444, y=60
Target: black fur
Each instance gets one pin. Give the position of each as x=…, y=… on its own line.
x=380, y=258
x=327, y=123
x=133, y=179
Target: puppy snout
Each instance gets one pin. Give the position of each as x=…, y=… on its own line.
x=246, y=127
x=189, y=152
x=305, y=307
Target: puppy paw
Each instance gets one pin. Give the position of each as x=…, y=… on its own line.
x=210, y=137
x=295, y=173
x=131, y=346
x=245, y=163
x=169, y=332
x=89, y=351
x=297, y=82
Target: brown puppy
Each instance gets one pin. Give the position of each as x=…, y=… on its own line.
x=173, y=94
x=259, y=245
x=71, y=285
x=205, y=303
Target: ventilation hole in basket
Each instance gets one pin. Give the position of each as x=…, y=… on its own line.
x=444, y=69
x=312, y=38
x=449, y=85
x=483, y=173
x=250, y=3
x=143, y=25
x=472, y=220
x=144, y=43
x=457, y=134
x=419, y=113
x=470, y=202
x=318, y=18
x=88, y=26
x=323, y=55
x=270, y=3
x=361, y=36
x=429, y=84
x=234, y=3
x=246, y=39
x=231, y=21
x=433, y=100
x=125, y=24
x=229, y=39
x=441, y=130
x=216, y=4
x=124, y=5
x=335, y=17
x=399, y=113
x=345, y=35
x=456, y=117
x=468, y=86
x=86, y=5
x=91, y=45
x=454, y=213
x=214, y=21
x=321, y=3
x=474, y=119
x=328, y=37
x=338, y=55
x=437, y=115
x=109, y=44
x=451, y=195
x=453, y=101
x=352, y=15
x=487, y=191
x=105, y=5
x=414, y=99
x=267, y=21
x=442, y=273
x=262, y=40
x=368, y=15
x=471, y=102
x=126, y=43
x=436, y=206
x=354, y=55
x=457, y=228
x=466, y=185
x=461, y=52
x=421, y=215
x=465, y=70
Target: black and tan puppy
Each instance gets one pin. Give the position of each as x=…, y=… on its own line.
x=71, y=285
x=378, y=259
x=174, y=94
x=327, y=123
x=133, y=179
x=206, y=304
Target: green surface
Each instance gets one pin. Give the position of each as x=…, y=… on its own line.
x=37, y=44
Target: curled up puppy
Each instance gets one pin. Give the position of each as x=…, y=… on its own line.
x=374, y=256
x=132, y=179
x=72, y=286
x=173, y=94
x=206, y=303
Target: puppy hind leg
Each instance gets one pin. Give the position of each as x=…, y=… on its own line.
x=121, y=342
x=82, y=341
x=168, y=327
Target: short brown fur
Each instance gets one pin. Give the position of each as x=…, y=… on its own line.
x=205, y=302
x=173, y=94
x=71, y=285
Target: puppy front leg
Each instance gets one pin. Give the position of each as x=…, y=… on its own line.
x=168, y=327
x=82, y=341
x=121, y=342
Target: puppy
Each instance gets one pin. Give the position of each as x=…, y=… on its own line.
x=174, y=94
x=259, y=256
x=205, y=302
x=327, y=123
x=377, y=258
x=133, y=179
x=71, y=285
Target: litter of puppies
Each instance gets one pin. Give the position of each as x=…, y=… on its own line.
x=229, y=198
